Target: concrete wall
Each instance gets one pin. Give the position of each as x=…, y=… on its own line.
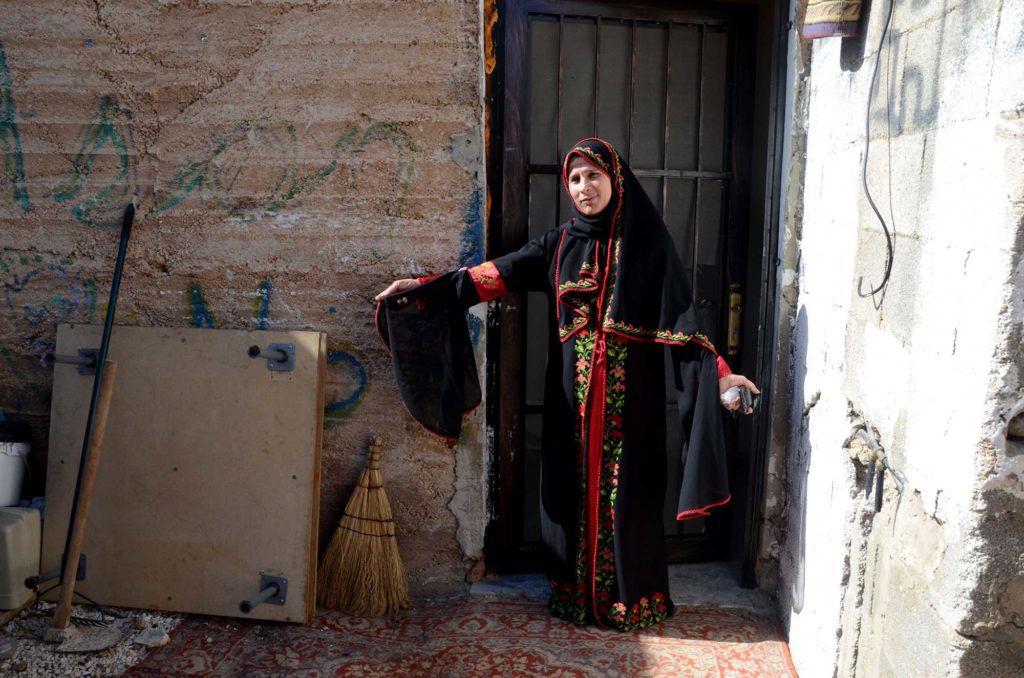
x=289, y=158
x=931, y=585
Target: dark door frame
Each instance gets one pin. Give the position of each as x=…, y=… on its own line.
x=506, y=98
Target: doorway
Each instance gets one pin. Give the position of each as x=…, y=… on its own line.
x=671, y=86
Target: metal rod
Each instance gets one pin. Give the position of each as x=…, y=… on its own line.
x=700, y=161
x=544, y=168
x=266, y=594
x=868, y=479
x=597, y=79
x=101, y=359
x=274, y=354
x=667, y=111
x=86, y=360
x=558, y=94
x=632, y=91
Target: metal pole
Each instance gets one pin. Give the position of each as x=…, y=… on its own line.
x=126, y=229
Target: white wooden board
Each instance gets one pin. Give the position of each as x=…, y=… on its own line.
x=209, y=475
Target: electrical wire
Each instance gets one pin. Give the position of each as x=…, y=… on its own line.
x=864, y=168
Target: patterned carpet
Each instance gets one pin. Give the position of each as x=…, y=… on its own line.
x=474, y=638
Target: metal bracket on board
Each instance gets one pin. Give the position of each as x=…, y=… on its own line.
x=91, y=355
x=35, y=580
x=273, y=590
x=280, y=357
x=86, y=360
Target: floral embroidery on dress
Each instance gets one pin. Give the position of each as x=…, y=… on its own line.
x=487, y=280
x=615, y=398
x=646, y=612
x=570, y=600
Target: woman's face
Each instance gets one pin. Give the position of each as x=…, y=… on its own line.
x=589, y=187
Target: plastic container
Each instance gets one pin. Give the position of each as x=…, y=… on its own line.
x=19, y=554
x=14, y=449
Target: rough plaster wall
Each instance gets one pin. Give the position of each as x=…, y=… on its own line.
x=290, y=158
x=935, y=587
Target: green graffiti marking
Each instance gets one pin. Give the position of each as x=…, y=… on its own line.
x=103, y=208
x=220, y=176
x=10, y=141
x=217, y=175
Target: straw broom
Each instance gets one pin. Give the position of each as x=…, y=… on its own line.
x=361, y=572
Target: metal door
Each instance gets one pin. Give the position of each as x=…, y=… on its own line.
x=665, y=84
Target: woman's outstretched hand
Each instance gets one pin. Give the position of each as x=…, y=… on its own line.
x=731, y=380
x=401, y=285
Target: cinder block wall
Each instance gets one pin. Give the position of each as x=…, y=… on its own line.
x=289, y=159
x=934, y=583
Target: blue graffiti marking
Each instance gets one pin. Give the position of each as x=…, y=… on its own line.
x=38, y=294
x=199, y=316
x=471, y=252
x=10, y=141
x=263, y=305
x=357, y=373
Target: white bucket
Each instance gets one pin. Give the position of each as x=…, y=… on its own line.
x=12, y=471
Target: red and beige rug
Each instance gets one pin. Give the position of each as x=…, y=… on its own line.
x=475, y=637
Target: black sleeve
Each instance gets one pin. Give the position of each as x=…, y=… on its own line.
x=705, y=475
x=528, y=269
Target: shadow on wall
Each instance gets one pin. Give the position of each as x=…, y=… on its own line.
x=799, y=468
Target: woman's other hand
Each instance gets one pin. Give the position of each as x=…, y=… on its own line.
x=401, y=285
x=731, y=380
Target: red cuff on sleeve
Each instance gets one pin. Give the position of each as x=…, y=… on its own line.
x=723, y=367
x=428, y=278
x=487, y=281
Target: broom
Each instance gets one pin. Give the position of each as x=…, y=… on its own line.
x=361, y=572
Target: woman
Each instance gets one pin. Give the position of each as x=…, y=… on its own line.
x=620, y=293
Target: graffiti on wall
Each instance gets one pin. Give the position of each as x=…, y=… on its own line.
x=231, y=176
x=346, y=376
x=248, y=172
x=103, y=176
x=346, y=384
x=471, y=251
x=13, y=166
x=39, y=291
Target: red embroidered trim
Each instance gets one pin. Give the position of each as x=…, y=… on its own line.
x=487, y=281
x=723, y=367
x=703, y=511
x=595, y=453
x=427, y=278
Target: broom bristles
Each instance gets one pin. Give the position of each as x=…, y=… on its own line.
x=361, y=572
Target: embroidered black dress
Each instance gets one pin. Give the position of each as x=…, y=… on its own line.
x=620, y=295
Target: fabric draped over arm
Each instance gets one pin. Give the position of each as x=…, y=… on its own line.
x=705, y=481
x=426, y=333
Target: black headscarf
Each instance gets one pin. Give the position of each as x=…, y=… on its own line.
x=649, y=293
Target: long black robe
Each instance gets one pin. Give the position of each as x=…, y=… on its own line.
x=603, y=441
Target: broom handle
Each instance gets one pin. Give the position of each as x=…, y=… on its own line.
x=62, y=613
